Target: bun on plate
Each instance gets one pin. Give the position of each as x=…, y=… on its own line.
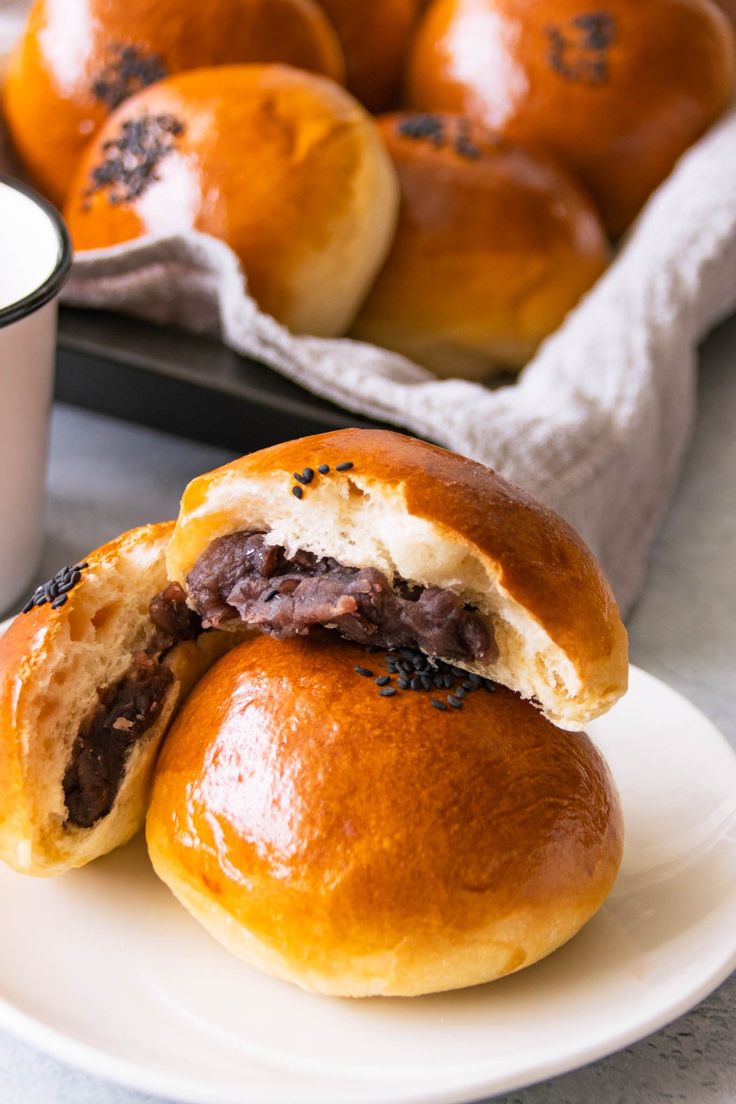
x=285, y=167
x=79, y=59
x=394, y=542
x=90, y=677
x=615, y=93
x=375, y=38
x=360, y=844
x=493, y=247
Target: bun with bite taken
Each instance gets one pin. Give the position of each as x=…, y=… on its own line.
x=392, y=542
x=91, y=674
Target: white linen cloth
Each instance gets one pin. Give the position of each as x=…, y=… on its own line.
x=598, y=423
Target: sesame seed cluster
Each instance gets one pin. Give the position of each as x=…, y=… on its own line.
x=410, y=669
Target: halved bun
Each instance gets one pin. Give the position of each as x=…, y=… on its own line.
x=52, y=664
x=360, y=845
x=429, y=518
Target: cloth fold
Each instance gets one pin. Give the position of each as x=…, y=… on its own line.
x=597, y=424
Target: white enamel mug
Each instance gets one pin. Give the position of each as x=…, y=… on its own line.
x=35, y=255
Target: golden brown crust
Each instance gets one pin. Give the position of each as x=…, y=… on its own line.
x=560, y=74
x=283, y=166
x=493, y=247
x=75, y=62
x=27, y=649
x=377, y=844
x=542, y=564
x=52, y=663
x=375, y=41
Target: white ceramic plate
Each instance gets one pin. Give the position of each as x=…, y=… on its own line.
x=105, y=970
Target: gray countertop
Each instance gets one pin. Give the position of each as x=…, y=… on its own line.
x=106, y=476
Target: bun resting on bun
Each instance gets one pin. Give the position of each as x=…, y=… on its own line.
x=90, y=677
x=375, y=39
x=79, y=59
x=395, y=542
x=493, y=248
x=615, y=94
x=285, y=167
x=359, y=844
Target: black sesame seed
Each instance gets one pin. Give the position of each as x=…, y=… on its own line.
x=128, y=71
x=437, y=704
x=455, y=702
x=297, y=492
x=439, y=682
x=423, y=127
x=407, y=653
x=308, y=475
x=458, y=672
x=59, y=601
x=404, y=684
x=364, y=671
x=387, y=692
x=426, y=681
x=459, y=693
x=323, y=469
x=383, y=680
x=419, y=662
x=81, y=567
x=489, y=686
x=468, y=685
x=130, y=160
x=42, y=599
x=270, y=595
x=299, y=477
x=346, y=466
x=29, y=605
x=416, y=683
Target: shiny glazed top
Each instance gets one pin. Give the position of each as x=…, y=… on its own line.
x=78, y=59
x=542, y=562
x=616, y=93
x=280, y=164
x=326, y=818
x=494, y=244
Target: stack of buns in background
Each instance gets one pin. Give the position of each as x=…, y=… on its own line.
x=459, y=232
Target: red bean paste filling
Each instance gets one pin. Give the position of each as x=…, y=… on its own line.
x=126, y=711
x=240, y=575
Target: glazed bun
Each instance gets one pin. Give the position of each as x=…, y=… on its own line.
x=410, y=545
x=616, y=94
x=285, y=167
x=361, y=845
x=79, y=59
x=375, y=39
x=87, y=691
x=493, y=248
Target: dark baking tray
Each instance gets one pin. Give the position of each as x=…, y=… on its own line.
x=185, y=384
